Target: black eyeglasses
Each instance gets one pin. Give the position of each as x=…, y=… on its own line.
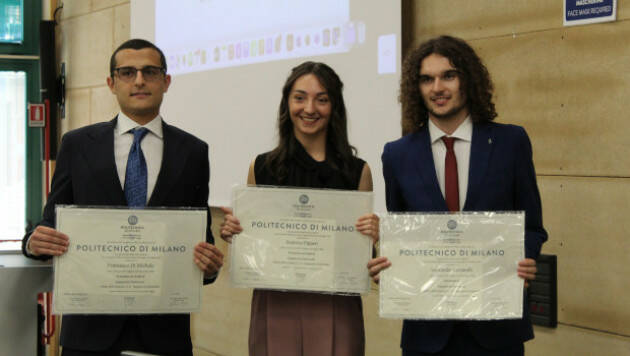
x=149, y=73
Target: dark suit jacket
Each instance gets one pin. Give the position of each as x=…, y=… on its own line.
x=501, y=177
x=86, y=175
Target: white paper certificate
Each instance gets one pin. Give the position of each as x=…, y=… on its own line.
x=128, y=261
x=301, y=239
x=452, y=266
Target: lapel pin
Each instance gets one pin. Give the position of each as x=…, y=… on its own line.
x=489, y=141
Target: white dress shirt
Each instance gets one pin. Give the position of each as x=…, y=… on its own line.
x=462, y=154
x=152, y=147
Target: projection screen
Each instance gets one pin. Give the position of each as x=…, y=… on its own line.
x=229, y=59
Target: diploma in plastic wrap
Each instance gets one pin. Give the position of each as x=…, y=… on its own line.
x=452, y=266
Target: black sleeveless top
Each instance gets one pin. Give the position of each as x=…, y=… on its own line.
x=304, y=171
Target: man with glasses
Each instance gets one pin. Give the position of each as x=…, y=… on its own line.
x=98, y=165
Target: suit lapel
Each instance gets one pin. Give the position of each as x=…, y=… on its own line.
x=174, y=157
x=99, y=155
x=480, y=151
x=426, y=167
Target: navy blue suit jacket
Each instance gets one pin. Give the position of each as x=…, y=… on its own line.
x=501, y=177
x=86, y=175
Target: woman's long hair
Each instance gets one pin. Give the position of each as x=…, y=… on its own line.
x=339, y=152
x=475, y=81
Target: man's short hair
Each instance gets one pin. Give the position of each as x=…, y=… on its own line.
x=136, y=43
x=475, y=81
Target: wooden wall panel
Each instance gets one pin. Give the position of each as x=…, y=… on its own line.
x=382, y=336
x=103, y=4
x=566, y=87
x=87, y=47
x=122, y=21
x=202, y=352
x=588, y=230
x=568, y=340
x=74, y=8
x=484, y=18
x=222, y=326
x=103, y=104
x=77, y=109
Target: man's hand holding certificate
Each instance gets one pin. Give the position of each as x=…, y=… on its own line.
x=301, y=239
x=452, y=266
x=129, y=261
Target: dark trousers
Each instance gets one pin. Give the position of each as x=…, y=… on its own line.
x=129, y=340
x=462, y=343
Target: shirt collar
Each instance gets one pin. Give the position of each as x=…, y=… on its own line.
x=463, y=132
x=125, y=124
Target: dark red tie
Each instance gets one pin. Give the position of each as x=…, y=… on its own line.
x=451, y=185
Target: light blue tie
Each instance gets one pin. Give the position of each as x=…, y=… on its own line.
x=136, y=173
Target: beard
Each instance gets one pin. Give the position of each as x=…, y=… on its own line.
x=447, y=115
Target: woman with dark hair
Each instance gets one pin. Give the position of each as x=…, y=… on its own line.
x=313, y=151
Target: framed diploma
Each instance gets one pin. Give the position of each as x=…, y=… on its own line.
x=301, y=239
x=128, y=261
x=452, y=266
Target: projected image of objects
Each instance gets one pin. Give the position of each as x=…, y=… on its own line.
x=211, y=34
x=230, y=58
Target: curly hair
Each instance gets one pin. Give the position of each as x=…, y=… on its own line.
x=476, y=85
x=339, y=152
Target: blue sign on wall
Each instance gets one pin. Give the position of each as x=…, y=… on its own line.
x=579, y=12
